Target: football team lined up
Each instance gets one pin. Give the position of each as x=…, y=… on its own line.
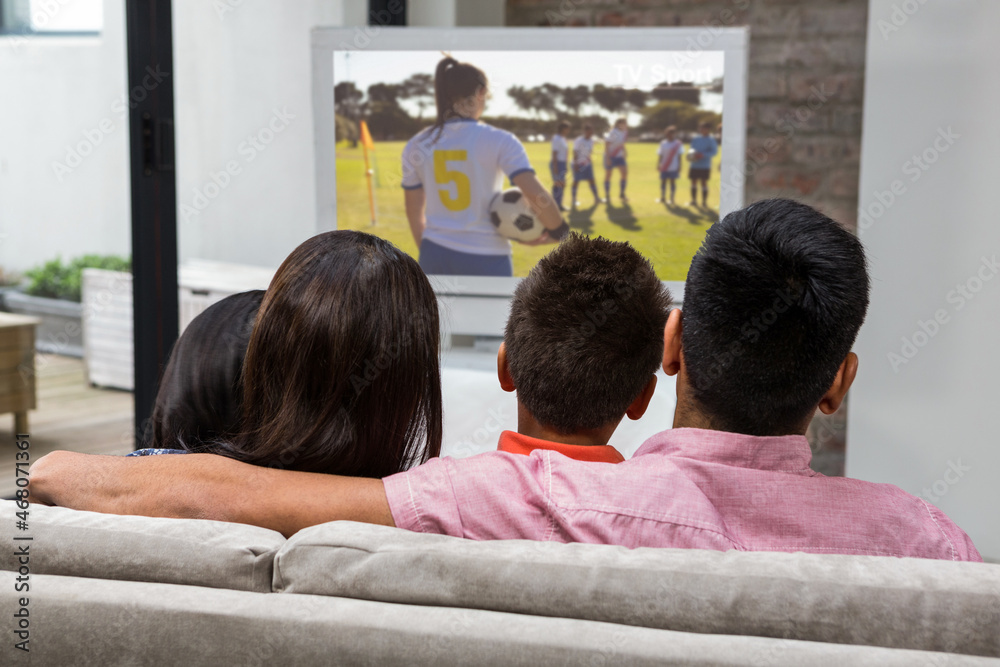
x=702, y=149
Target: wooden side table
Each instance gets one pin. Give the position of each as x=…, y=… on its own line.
x=17, y=367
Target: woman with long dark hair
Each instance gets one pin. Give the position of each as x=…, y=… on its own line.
x=341, y=373
x=451, y=171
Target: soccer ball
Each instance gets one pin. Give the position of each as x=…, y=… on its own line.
x=513, y=218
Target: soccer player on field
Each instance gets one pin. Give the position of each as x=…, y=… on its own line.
x=560, y=158
x=704, y=148
x=669, y=163
x=614, y=157
x=452, y=170
x=583, y=168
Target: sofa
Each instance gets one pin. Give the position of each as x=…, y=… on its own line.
x=122, y=590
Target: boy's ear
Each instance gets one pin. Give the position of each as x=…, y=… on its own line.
x=503, y=370
x=641, y=402
x=838, y=390
x=672, y=342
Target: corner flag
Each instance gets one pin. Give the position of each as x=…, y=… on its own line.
x=368, y=145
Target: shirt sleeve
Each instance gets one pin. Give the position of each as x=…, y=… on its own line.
x=412, y=159
x=513, y=157
x=963, y=547
x=711, y=148
x=492, y=496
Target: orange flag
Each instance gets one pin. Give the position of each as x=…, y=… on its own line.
x=369, y=145
x=366, y=137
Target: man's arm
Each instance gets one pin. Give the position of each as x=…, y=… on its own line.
x=205, y=486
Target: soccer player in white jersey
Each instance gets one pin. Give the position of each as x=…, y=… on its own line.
x=451, y=171
x=583, y=167
x=557, y=166
x=668, y=163
x=614, y=157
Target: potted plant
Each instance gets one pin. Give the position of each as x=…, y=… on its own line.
x=51, y=292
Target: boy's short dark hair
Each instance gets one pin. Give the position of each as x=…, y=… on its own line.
x=585, y=333
x=588, y=126
x=773, y=303
x=563, y=125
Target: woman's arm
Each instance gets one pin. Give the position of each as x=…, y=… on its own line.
x=541, y=201
x=416, y=199
x=206, y=486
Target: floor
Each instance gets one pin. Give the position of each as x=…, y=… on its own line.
x=71, y=415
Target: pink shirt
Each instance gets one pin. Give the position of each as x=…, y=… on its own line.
x=688, y=488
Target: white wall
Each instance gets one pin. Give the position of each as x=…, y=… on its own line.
x=925, y=418
x=63, y=97
x=246, y=74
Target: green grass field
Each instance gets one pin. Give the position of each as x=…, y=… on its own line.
x=668, y=236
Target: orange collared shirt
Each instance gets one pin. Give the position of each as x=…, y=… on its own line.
x=515, y=443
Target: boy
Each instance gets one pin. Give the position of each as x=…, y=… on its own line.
x=669, y=163
x=614, y=157
x=583, y=168
x=560, y=157
x=703, y=149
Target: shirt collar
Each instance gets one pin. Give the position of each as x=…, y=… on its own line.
x=515, y=443
x=785, y=453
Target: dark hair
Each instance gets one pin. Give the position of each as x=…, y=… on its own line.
x=201, y=393
x=774, y=300
x=341, y=374
x=563, y=125
x=585, y=333
x=588, y=126
x=454, y=81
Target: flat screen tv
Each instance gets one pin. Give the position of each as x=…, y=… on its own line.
x=618, y=90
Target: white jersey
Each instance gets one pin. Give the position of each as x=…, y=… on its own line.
x=583, y=148
x=670, y=155
x=460, y=172
x=614, y=143
x=560, y=147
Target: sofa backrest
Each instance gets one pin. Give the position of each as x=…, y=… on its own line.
x=890, y=602
x=135, y=548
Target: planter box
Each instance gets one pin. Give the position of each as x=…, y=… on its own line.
x=59, y=331
x=107, y=308
x=107, y=328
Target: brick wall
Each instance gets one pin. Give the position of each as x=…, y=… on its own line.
x=806, y=82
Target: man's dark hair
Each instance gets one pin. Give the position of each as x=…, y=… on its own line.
x=773, y=303
x=585, y=333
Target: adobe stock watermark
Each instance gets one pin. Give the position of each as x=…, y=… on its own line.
x=914, y=168
x=953, y=474
x=248, y=150
x=957, y=298
x=76, y=153
x=898, y=17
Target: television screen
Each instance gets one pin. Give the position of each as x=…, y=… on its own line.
x=627, y=142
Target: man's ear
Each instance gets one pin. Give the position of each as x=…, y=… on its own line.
x=641, y=402
x=503, y=370
x=672, y=342
x=838, y=390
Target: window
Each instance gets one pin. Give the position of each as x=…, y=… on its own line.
x=51, y=16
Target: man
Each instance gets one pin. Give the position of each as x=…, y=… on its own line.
x=773, y=303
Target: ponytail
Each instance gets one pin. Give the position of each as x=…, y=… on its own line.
x=453, y=81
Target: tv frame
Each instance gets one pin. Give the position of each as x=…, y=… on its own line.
x=734, y=42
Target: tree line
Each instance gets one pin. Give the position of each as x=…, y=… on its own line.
x=546, y=105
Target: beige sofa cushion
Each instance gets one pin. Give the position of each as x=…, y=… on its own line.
x=93, y=622
x=178, y=551
x=897, y=603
